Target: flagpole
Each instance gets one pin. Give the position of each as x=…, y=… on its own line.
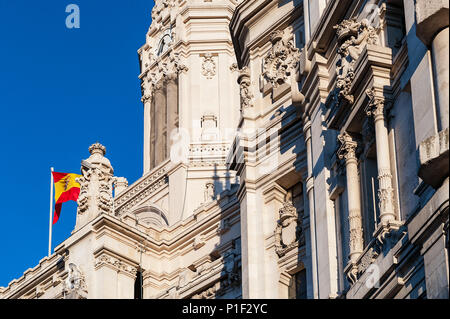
x=51, y=214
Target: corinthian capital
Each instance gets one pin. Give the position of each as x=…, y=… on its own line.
x=377, y=104
x=348, y=147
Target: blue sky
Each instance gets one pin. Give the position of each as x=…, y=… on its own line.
x=60, y=91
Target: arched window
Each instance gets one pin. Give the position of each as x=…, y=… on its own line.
x=151, y=214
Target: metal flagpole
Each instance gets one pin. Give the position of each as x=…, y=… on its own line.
x=51, y=214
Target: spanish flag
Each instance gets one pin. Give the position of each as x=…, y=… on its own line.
x=66, y=188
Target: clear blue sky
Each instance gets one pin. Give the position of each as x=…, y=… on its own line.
x=60, y=91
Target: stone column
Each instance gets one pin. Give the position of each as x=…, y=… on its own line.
x=120, y=184
x=147, y=100
x=439, y=51
x=172, y=107
x=376, y=108
x=310, y=194
x=432, y=19
x=160, y=123
x=347, y=151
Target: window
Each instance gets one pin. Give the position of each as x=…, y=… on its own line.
x=138, y=285
x=297, y=286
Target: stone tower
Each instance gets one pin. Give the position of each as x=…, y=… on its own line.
x=191, y=100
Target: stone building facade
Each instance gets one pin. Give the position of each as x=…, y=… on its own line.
x=292, y=149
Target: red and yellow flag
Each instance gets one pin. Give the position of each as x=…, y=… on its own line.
x=66, y=188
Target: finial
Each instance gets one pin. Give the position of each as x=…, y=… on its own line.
x=97, y=148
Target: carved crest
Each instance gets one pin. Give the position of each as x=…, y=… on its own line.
x=288, y=233
x=282, y=59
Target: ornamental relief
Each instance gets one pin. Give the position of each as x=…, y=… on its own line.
x=245, y=90
x=74, y=287
x=137, y=193
x=208, y=66
x=288, y=233
x=95, y=183
x=282, y=59
x=159, y=7
x=165, y=70
x=353, y=36
x=117, y=264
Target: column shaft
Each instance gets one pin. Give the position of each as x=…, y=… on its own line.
x=310, y=193
x=147, y=134
x=348, y=151
x=172, y=108
x=385, y=190
x=439, y=50
x=160, y=123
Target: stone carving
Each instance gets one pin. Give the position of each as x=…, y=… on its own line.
x=74, y=287
x=367, y=259
x=433, y=156
x=352, y=37
x=282, y=59
x=164, y=70
x=96, y=186
x=131, y=197
x=288, y=233
x=117, y=264
x=376, y=106
x=159, y=7
x=208, y=66
x=244, y=83
x=120, y=184
x=348, y=147
x=208, y=293
x=232, y=267
x=209, y=192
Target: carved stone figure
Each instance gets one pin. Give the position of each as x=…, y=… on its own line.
x=245, y=83
x=352, y=36
x=209, y=192
x=74, y=287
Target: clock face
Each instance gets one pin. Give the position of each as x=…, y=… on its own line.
x=164, y=43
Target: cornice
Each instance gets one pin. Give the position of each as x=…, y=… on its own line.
x=246, y=14
x=32, y=276
x=324, y=33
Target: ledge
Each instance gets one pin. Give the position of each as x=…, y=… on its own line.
x=433, y=156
